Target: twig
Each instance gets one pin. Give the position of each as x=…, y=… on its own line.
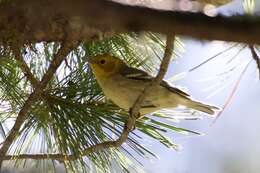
x=233, y=91
x=134, y=114
x=24, y=67
x=212, y=57
x=255, y=57
x=66, y=47
x=60, y=157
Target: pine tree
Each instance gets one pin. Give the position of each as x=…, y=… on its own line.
x=52, y=110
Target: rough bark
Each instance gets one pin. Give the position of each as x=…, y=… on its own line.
x=86, y=20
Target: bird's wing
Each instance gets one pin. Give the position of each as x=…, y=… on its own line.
x=136, y=74
x=174, y=89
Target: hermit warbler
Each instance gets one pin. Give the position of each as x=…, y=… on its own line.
x=123, y=84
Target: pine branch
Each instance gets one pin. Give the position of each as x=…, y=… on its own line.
x=60, y=157
x=24, y=67
x=255, y=57
x=134, y=114
x=233, y=91
x=66, y=47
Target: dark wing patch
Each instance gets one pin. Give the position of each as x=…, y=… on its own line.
x=147, y=104
x=174, y=89
x=135, y=74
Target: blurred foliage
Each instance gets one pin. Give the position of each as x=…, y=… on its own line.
x=215, y=2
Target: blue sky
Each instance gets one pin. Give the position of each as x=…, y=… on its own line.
x=231, y=144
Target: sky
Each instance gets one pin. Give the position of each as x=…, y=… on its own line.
x=231, y=140
x=231, y=143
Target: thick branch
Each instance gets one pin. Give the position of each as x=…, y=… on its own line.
x=41, y=20
x=129, y=124
x=255, y=57
x=34, y=96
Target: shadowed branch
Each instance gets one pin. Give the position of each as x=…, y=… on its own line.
x=255, y=57
x=96, y=19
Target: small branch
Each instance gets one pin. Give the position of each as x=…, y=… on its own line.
x=60, y=157
x=66, y=47
x=163, y=69
x=134, y=114
x=213, y=57
x=233, y=91
x=24, y=67
x=255, y=57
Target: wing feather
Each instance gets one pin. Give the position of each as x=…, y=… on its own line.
x=136, y=74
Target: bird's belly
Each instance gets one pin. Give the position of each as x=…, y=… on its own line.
x=120, y=97
x=124, y=94
x=161, y=99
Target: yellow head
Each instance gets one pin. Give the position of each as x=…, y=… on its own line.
x=105, y=65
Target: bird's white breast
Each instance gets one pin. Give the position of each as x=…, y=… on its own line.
x=124, y=92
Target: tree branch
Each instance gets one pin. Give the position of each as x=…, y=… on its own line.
x=35, y=21
x=134, y=114
x=66, y=47
x=255, y=57
x=24, y=67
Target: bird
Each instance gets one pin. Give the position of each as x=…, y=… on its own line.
x=123, y=84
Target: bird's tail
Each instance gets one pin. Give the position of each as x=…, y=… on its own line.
x=201, y=106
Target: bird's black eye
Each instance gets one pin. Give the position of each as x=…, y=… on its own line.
x=102, y=61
